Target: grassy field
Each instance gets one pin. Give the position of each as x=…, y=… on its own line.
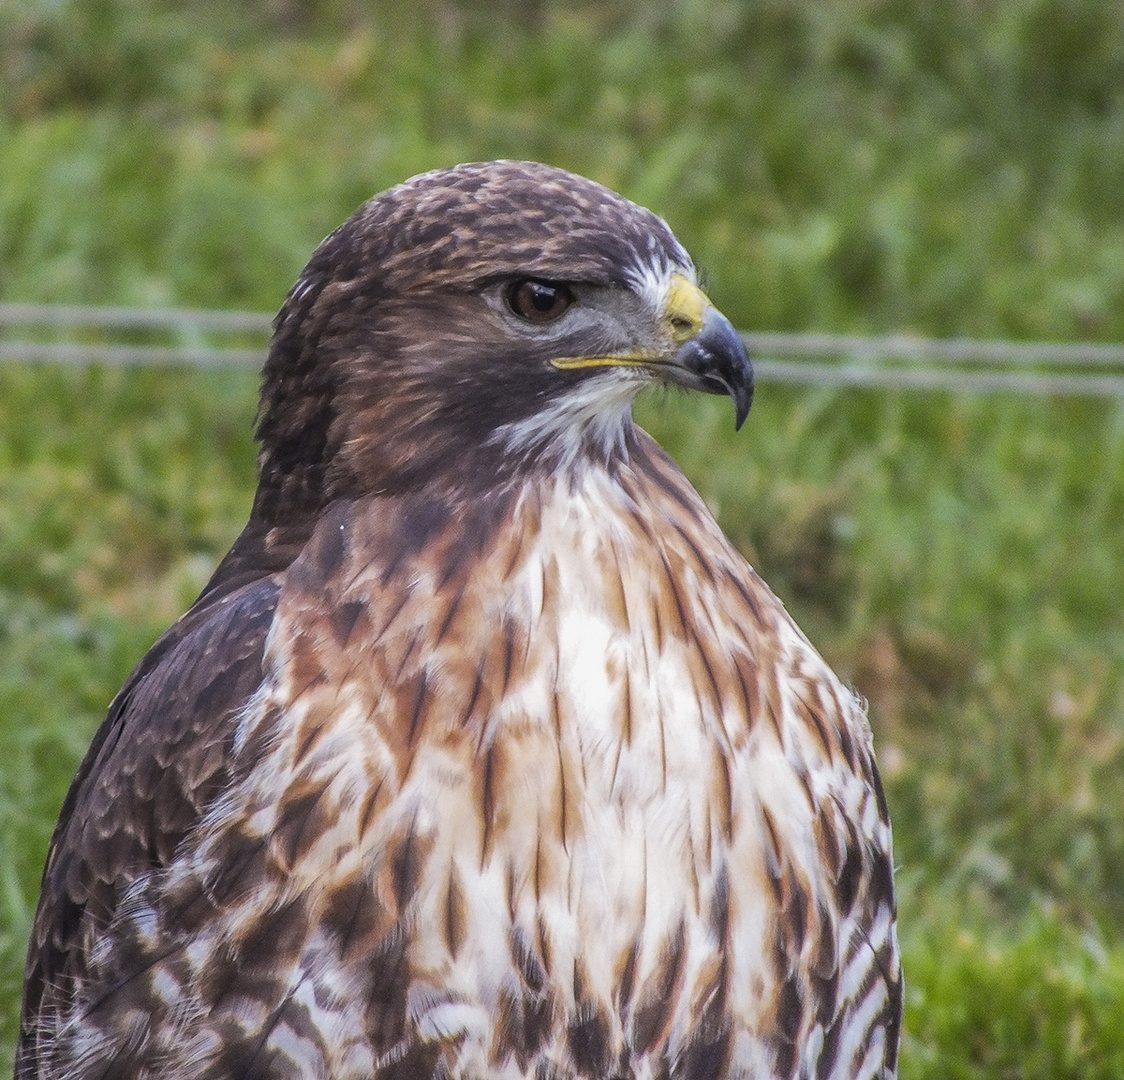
x=859, y=166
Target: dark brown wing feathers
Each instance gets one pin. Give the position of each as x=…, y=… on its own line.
x=157, y=761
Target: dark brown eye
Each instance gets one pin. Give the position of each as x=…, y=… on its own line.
x=538, y=301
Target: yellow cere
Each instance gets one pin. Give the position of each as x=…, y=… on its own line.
x=686, y=308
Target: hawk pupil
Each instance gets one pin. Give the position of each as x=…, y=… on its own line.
x=542, y=297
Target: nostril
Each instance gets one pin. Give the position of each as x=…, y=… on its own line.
x=683, y=327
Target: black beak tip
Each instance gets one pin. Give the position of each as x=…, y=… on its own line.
x=743, y=400
x=730, y=363
x=739, y=374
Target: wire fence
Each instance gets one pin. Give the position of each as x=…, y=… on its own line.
x=165, y=336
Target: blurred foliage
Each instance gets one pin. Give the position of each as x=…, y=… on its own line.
x=951, y=167
x=837, y=165
x=1040, y=1001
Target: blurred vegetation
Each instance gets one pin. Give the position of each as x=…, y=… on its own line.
x=836, y=165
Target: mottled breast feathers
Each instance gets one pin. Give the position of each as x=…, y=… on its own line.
x=484, y=754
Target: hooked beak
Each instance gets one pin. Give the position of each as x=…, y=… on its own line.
x=715, y=361
x=708, y=352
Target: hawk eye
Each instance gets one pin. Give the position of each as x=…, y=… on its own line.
x=538, y=301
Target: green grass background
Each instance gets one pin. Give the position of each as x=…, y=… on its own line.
x=942, y=167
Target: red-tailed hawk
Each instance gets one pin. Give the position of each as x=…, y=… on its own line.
x=483, y=754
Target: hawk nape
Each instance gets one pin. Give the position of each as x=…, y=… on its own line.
x=483, y=753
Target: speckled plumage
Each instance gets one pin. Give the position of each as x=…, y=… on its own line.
x=484, y=754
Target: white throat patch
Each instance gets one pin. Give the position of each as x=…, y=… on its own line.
x=593, y=418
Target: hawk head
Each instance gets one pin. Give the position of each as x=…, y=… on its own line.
x=475, y=322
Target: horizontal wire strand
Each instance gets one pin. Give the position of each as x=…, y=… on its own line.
x=934, y=364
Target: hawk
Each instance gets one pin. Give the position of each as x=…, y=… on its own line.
x=483, y=754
